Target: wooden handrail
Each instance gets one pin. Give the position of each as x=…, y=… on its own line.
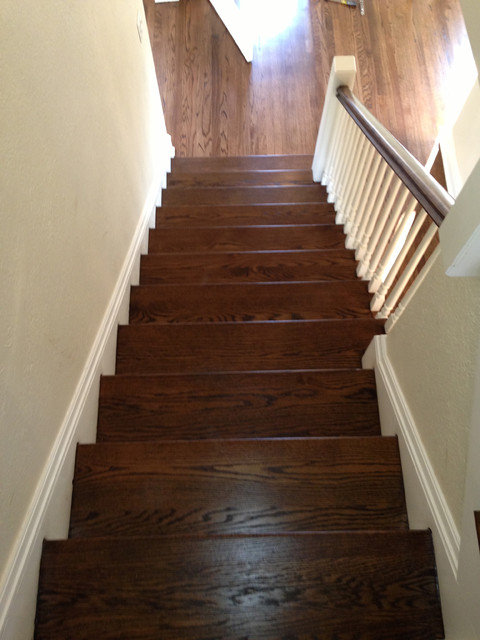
x=427, y=191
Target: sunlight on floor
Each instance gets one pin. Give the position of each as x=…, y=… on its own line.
x=269, y=18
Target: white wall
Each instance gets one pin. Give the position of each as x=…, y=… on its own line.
x=83, y=150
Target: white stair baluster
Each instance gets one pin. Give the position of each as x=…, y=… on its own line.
x=378, y=199
x=364, y=207
x=350, y=168
x=402, y=249
x=377, y=263
x=402, y=282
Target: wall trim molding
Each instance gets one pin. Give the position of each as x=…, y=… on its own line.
x=426, y=503
x=50, y=507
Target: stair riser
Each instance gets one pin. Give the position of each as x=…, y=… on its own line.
x=330, y=403
x=243, y=195
x=301, y=266
x=247, y=303
x=244, y=347
x=232, y=239
x=183, y=180
x=243, y=163
x=243, y=215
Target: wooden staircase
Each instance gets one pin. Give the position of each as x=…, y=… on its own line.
x=240, y=487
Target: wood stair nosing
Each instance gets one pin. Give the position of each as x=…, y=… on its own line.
x=275, y=266
x=236, y=239
x=248, y=302
x=243, y=215
x=255, y=346
x=362, y=585
x=244, y=195
x=288, y=404
x=237, y=487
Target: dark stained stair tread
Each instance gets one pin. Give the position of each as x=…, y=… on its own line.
x=246, y=405
x=262, y=346
x=233, y=239
x=362, y=585
x=241, y=215
x=186, y=179
x=240, y=486
x=248, y=302
x=244, y=195
x=243, y=163
x=279, y=266
x=237, y=487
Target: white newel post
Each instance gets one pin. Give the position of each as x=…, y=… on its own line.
x=343, y=72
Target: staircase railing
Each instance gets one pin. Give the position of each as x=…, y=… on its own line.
x=389, y=205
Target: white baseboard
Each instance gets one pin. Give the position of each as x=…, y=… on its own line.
x=426, y=504
x=50, y=508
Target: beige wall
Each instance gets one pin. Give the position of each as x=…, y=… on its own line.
x=471, y=14
x=433, y=351
x=81, y=128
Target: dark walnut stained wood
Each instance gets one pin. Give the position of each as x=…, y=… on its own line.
x=234, y=239
x=248, y=302
x=248, y=405
x=335, y=344
x=237, y=487
x=242, y=163
x=244, y=215
x=272, y=266
x=243, y=195
x=341, y=585
x=178, y=180
x=240, y=487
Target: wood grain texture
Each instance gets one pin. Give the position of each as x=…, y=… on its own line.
x=248, y=405
x=409, y=58
x=274, y=266
x=234, y=239
x=182, y=180
x=244, y=195
x=342, y=586
x=202, y=164
x=244, y=215
x=237, y=487
x=249, y=302
x=263, y=346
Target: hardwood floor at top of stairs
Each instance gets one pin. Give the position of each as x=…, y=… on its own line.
x=240, y=487
x=408, y=57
